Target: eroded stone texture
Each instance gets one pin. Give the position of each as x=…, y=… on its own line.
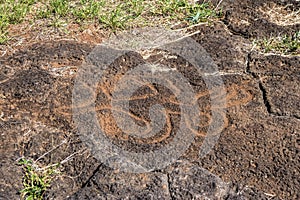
x=244, y=17
x=228, y=51
x=280, y=80
x=256, y=156
x=273, y=65
x=189, y=181
x=48, y=55
x=48, y=145
x=109, y=184
x=283, y=96
x=30, y=93
x=260, y=153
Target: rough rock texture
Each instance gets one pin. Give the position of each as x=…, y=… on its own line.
x=256, y=156
x=108, y=184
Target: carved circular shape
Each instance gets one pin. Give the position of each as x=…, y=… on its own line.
x=120, y=96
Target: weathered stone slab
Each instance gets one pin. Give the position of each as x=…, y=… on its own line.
x=109, y=184
x=280, y=79
x=189, y=181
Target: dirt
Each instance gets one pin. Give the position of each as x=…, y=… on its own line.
x=256, y=156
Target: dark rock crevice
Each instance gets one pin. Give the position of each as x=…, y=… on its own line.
x=265, y=98
x=231, y=29
x=248, y=67
x=169, y=187
x=275, y=83
x=92, y=175
x=269, y=106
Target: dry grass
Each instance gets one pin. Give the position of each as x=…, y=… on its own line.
x=90, y=21
x=281, y=15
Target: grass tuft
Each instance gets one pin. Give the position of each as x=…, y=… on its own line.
x=288, y=45
x=203, y=12
x=36, y=180
x=87, y=10
x=12, y=12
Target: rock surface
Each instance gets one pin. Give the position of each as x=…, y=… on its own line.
x=255, y=157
